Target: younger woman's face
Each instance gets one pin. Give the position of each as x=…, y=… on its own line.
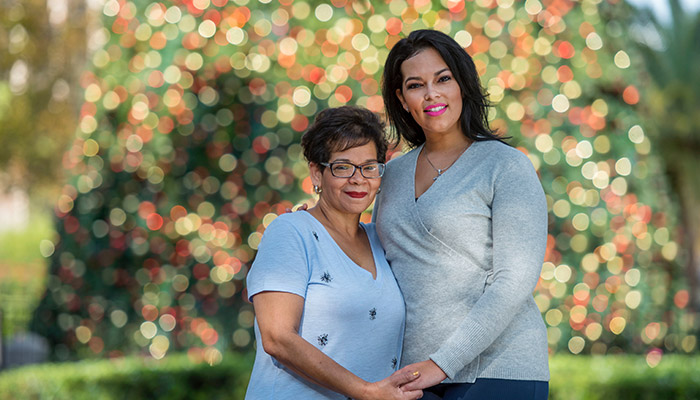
x=430, y=93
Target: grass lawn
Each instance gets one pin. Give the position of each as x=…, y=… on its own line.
x=179, y=377
x=23, y=271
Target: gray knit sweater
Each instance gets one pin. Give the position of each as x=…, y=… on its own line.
x=467, y=255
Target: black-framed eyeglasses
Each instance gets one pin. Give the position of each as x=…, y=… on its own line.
x=344, y=169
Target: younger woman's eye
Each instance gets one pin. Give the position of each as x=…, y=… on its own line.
x=413, y=85
x=444, y=78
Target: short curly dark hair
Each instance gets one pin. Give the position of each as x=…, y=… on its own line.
x=341, y=128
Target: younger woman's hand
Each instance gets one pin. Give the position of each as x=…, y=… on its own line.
x=429, y=375
x=302, y=207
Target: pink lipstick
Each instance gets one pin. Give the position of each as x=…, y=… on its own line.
x=435, y=109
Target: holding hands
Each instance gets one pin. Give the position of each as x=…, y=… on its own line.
x=429, y=374
x=394, y=387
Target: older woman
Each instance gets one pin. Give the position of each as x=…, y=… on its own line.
x=329, y=314
x=463, y=219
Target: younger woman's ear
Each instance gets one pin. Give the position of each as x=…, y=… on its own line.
x=399, y=94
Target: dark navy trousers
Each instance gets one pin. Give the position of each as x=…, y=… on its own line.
x=489, y=389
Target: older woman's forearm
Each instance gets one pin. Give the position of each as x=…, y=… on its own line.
x=300, y=356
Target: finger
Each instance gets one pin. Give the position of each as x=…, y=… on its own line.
x=405, y=377
x=411, y=386
x=404, y=370
x=414, y=394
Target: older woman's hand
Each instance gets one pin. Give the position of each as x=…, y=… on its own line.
x=393, y=387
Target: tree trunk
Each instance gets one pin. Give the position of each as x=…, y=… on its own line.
x=683, y=167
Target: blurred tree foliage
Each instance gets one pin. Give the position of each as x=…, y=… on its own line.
x=671, y=52
x=187, y=147
x=44, y=46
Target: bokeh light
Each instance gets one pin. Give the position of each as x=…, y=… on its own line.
x=187, y=148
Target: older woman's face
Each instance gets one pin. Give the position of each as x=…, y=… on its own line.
x=347, y=195
x=430, y=92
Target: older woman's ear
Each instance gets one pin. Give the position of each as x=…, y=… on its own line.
x=315, y=174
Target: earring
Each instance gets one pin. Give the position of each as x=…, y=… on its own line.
x=318, y=189
x=379, y=190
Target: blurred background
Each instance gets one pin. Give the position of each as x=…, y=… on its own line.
x=145, y=145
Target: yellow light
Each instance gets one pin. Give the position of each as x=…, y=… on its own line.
x=533, y=7
x=562, y=273
x=148, y=329
x=560, y=103
x=580, y=221
x=173, y=15
x=594, y=41
x=83, y=333
x=464, y=38
x=360, y=42
x=669, y=251
x=633, y=299
x=589, y=262
x=324, y=13
x=547, y=272
x=594, y=330
x=617, y=325
x=622, y=59
x=576, y=344
x=515, y=111
x=288, y=46
x=376, y=23
x=584, y=149
x=553, y=317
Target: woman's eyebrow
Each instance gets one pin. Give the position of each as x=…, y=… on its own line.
x=348, y=161
x=418, y=78
x=441, y=71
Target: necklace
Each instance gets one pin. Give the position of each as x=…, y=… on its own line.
x=441, y=170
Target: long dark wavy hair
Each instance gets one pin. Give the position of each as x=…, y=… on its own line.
x=475, y=104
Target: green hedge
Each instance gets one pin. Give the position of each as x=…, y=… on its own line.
x=132, y=378
x=176, y=377
x=624, y=377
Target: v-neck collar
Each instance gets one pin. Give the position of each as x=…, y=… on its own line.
x=448, y=172
x=342, y=253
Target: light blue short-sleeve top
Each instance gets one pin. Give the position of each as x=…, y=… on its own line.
x=356, y=320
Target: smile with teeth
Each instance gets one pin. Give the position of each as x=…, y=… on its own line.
x=436, y=109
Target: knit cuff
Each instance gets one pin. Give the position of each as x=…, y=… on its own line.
x=460, y=349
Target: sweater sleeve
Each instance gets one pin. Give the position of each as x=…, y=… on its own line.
x=519, y=229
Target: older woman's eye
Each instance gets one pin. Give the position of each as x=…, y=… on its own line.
x=444, y=78
x=413, y=85
x=342, y=167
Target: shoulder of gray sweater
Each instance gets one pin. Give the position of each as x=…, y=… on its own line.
x=401, y=160
x=504, y=155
